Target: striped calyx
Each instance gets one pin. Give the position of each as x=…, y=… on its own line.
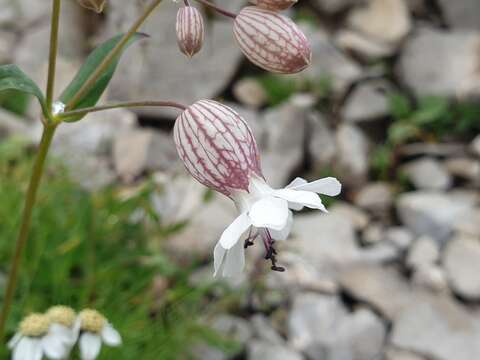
x=217, y=146
x=272, y=41
x=190, y=30
x=274, y=5
x=95, y=5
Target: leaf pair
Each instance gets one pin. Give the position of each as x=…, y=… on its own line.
x=13, y=78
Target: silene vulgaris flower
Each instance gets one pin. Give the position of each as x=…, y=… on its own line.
x=94, y=330
x=218, y=149
x=34, y=341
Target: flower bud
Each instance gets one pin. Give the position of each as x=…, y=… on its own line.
x=217, y=146
x=272, y=41
x=95, y=5
x=274, y=5
x=190, y=30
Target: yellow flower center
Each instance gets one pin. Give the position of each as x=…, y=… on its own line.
x=62, y=315
x=34, y=325
x=92, y=321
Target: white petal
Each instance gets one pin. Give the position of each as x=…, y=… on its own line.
x=234, y=261
x=305, y=198
x=53, y=347
x=28, y=349
x=14, y=340
x=66, y=335
x=285, y=232
x=218, y=256
x=269, y=212
x=327, y=186
x=234, y=231
x=90, y=345
x=297, y=182
x=111, y=336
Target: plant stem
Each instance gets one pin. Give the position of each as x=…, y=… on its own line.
x=111, y=57
x=52, y=63
x=218, y=9
x=47, y=136
x=130, y=104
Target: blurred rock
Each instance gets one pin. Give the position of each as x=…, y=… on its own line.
x=321, y=139
x=432, y=149
x=264, y=331
x=333, y=6
x=431, y=277
x=375, y=197
x=373, y=234
x=258, y=350
x=439, y=328
x=143, y=150
x=468, y=225
x=367, y=102
x=464, y=14
x=424, y=252
x=438, y=62
x=232, y=327
x=395, y=354
x=86, y=146
x=320, y=326
x=382, y=288
x=384, y=21
x=362, y=45
x=357, y=217
x=352, y=161
x=7, y=41
x=431, y=213
x=462, y=263
x=428, y=174
x=13, y=125
x=475, y=146
x=399, y=236
x=250, y=92
x=157, y=67
x=464, y=168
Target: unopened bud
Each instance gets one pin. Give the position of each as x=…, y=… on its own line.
x=95, y=5
x=190, y=30
x=272, y=41
x=274, y=5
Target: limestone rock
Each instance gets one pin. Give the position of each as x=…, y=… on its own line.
x=428, y=174
x=367, y=102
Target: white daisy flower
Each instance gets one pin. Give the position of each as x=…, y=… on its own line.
x=94, y=329
x=33, y=340
x=62, y=325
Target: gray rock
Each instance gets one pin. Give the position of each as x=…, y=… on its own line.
x=363, y=45
x=373, y=234
x=468, y=224
x=382, y=288
x=367, y=102
x=432, y=149
x=463, y=14
x=250, y=92
x=475, y=146
x=352, y=161
x=395, y=354
x=464, y=168
x=431, y=277
x=7, y=42
x=439, y=328
x=320, y=326
x=399, y=236
x=333, y=6
x=428, y=174
x=264, y=331
x=159, y=68
x=357, y=217
x=232, y=327
x=462, y=264
x=321, y=141
x=442, y=63
x=143, y=150
x=258, y=350
x=423, y=253
x=431, y=213
x=375, y=197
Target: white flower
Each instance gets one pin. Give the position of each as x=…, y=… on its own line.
x=33, y=340
x=266, y=213
x=95, y=329
x=62, y=325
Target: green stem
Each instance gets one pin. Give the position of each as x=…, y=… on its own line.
x=111, y=57
x=48, y=132
x=130, y=104
x=218, y=9
x=52, y=63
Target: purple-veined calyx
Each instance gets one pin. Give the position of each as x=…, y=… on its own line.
x=274, y=5
x=218, y=149
x=190, y=30
x=95, y=5
x=272, y=41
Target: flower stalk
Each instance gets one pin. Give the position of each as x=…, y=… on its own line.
x=218, y=9
x=52, y=62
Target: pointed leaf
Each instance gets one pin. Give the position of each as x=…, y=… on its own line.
x=91, y=64
x=12, y=78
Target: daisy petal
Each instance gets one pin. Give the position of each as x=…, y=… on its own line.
x=297, y=182
x=285, y=232
x=14, y=340
x=234, y=231
x=235, y=261
x=90, y=345
x=218, y=256
x=269, y=212
x=305, y=198
x=53, y=347
x=326, y=186
x=111, y=336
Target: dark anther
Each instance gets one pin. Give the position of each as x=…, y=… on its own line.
x=248, y=243
x=278, y=268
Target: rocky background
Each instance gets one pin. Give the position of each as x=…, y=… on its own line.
x=389, y=105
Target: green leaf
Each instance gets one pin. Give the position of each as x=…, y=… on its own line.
x=12, y=78
x=430, y=110
x=400, y=106
x=91, y=64
x=401, y=132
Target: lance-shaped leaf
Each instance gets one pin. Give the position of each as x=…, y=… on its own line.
x=89, y=67
x=12, y=78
